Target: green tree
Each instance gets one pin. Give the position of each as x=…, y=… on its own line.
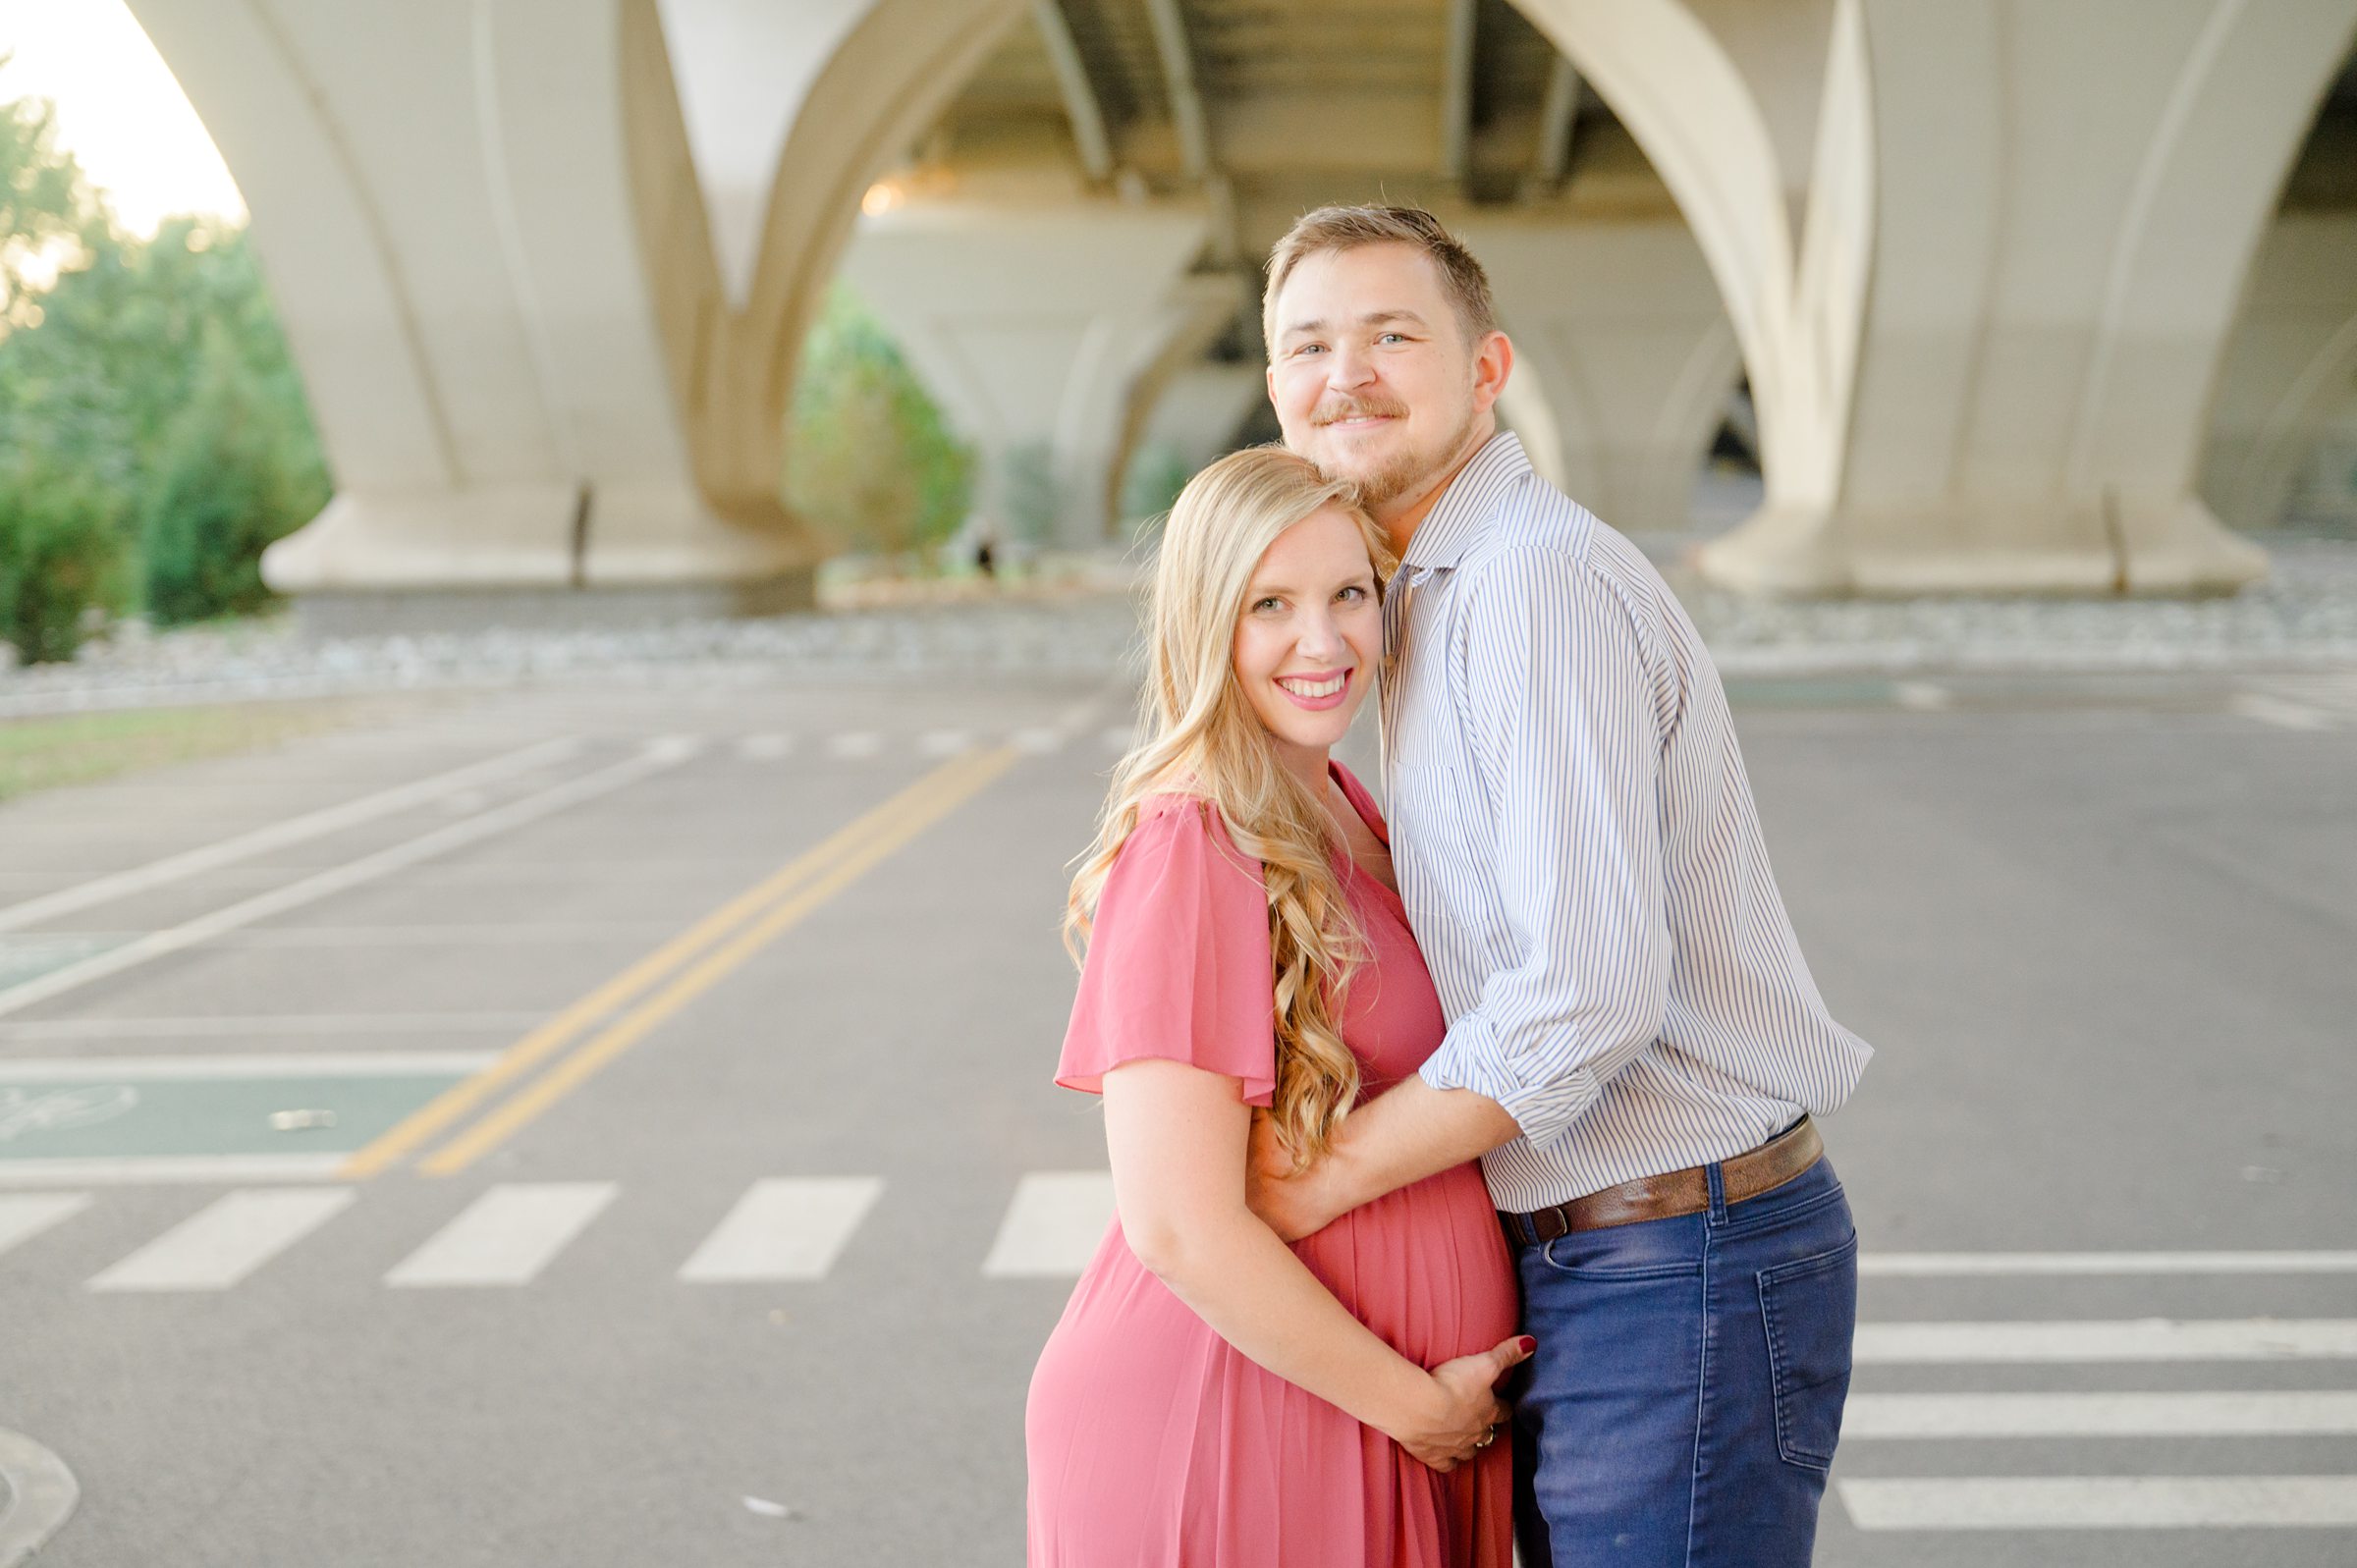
x=44, y=201
x=869, y=461
x=108, y=373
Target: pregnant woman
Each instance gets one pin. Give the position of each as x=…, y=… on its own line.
x=1213, y=1397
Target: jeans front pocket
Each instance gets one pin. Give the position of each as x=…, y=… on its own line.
x=1810, y=1310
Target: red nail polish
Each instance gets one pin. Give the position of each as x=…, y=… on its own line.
x=1529, y=1344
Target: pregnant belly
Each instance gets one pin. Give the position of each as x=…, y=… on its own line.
x=1424, y=1266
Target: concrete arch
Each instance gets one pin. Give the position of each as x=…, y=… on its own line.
x=895, y=71
x=440, y=197
x=1794, y=312
x=1624, y=358
x=2051, y=289
x=2290, y=379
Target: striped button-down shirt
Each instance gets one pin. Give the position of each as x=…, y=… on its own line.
x=1579, y=856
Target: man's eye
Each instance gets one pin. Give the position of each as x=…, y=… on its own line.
x=1399, y=335
x=1310, y=347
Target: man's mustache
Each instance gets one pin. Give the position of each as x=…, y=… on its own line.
x=1328, y=413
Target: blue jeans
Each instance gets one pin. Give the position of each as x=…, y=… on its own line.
x=1683, y=1404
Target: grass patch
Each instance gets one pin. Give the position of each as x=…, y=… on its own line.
x=86, y=747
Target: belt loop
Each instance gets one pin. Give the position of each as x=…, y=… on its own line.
x=1717, y=1180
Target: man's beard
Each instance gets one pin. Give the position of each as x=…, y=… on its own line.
x=1405, y=469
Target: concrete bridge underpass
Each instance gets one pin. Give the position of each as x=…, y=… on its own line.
x=2037, y=297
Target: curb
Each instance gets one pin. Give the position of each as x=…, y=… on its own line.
x=37, y=1493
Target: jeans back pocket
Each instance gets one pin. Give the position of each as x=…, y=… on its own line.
x=1810, y=1308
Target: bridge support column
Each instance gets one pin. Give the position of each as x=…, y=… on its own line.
x=2284, y=419
x=1624, y=354
x=447, y=199
x=2053, y=274
x=1032, y=325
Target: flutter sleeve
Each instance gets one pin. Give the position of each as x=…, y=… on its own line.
x=1177, y=966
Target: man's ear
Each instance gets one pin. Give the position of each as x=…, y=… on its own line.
x=1268, y=381
x=1492, y=367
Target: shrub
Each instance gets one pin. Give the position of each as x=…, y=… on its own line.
x=60, y=554
x=223, y=488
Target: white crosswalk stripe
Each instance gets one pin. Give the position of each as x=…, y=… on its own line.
x=1053, y=1227
x=855, y=745
x=784, y=1228
x=1038, y=742
x=764, y=747
x=506, y=1236
x=25, y=1216
x=2305, y=1413
x=942, y=742
x=224, y=1242
x=2279, y=713
x=2096, y=1340
x=2101, y=1502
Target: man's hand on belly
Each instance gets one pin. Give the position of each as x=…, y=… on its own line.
x=1293, y=1206
x=1400, y=1136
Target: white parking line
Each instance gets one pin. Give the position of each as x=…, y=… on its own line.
x=2300, y=1413
x=656, y=756
x=2090, y=1340
x=1952, y=1265
x=141, y=1170
x=225, y=1241
x=784, y=1228
x=1038, y=742
x=2102, y=1503
x=1053, y=1227
x=506, y=1236
x=278, y=835
x=855, y=745
x=24, y=1218
x=444, y=936
x=764, y=748
x=232, y=1025
x=343, y=1064
x=2282, y=715
x=942, y=742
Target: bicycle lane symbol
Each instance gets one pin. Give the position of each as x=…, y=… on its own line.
x=63, y=1110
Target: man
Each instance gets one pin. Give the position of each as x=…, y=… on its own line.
x=1634, y=1043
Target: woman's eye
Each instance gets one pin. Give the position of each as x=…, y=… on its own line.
x=1269, y=604
x=1352, y=594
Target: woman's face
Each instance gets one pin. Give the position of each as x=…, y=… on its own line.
x=1309, y=636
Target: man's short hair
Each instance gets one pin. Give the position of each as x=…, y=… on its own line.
x=1347, y=228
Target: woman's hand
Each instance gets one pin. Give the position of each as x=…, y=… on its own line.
x=1466, y=1413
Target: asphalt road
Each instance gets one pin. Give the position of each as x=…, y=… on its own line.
x=603, y=1128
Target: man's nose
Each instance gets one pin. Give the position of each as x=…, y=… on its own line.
x=1349, y=368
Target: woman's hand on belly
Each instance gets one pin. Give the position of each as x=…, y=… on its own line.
x=1467, y=1412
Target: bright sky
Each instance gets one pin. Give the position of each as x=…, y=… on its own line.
x=118, y=109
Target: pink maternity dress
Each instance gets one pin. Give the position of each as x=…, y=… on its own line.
x=1152, y=1442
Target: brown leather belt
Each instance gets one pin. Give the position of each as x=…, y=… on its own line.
x=1679, y=1192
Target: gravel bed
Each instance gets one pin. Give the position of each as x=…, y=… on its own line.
x=2304, y=615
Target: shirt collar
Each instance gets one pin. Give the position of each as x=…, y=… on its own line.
x=1458, y=519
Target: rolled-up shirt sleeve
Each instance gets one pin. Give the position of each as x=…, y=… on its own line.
x=1563, y=712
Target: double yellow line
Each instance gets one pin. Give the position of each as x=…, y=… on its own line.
x=635, y=1002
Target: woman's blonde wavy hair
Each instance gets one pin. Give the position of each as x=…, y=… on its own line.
x=1202, y=739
